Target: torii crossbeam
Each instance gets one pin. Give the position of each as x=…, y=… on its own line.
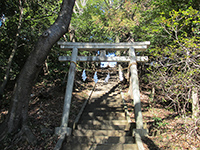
x=132, y=59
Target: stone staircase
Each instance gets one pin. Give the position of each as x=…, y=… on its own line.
x=102, y=125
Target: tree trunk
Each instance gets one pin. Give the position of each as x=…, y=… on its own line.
x=195, y=103
x=18, y=114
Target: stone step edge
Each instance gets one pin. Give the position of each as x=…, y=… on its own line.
x=101, y=139
x=85, y=132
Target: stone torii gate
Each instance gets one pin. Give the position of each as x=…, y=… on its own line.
x=132, y=59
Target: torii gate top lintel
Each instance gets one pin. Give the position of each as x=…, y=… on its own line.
x=138, y=46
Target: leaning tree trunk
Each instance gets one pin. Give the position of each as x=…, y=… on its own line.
x=18, y=114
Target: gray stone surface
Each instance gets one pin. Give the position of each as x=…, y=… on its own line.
x=102, y=125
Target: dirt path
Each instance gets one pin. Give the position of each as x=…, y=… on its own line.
x=102, y=87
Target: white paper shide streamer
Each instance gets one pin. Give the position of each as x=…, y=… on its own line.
x=95, y=77
x=121, y=78
x=84, y=75
x=107, y=78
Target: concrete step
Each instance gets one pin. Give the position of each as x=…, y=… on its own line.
x=109, y=103
x=104, y=113
x=116, y=147
x=104, y=110
x=96, y=105
x=104, y=122
x=101, y=127
x=91, y=116
x=80, y=146
x=101, y=139
x=103, y=107
x=116, y=133
x=105, y=96
x=108, y=108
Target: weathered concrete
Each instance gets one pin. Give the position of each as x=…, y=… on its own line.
x=103, y=59
x=139, y=46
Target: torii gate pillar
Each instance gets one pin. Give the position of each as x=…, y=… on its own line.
x=64, y=129
x=134, y=89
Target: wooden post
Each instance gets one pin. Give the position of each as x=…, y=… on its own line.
x=68, y=95
x=69, y=88
x=134, y=89
x=195, y=103
x=120, y=71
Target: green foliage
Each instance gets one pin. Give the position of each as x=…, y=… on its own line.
x=177, y=66
x=102, y=22
x=37, y=16
x=159, y=122
x=88, y=25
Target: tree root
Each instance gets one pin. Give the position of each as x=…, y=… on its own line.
x=25, y=134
